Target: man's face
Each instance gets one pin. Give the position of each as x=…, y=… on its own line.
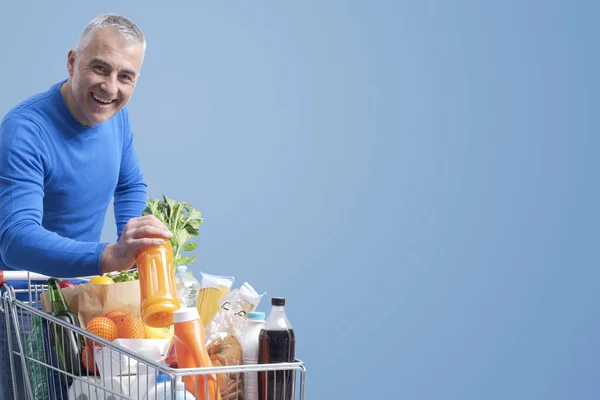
x=103, y=76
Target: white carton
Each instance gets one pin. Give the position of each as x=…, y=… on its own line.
x=112, y=362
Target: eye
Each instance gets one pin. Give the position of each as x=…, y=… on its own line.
x=99, y=68
x=126, y=77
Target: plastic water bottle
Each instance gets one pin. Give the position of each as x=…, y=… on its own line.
x=256, y=321
x=187, y=287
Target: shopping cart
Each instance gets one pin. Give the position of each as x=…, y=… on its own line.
x=41, y=369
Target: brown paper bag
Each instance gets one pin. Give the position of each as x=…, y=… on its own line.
x=88, y=301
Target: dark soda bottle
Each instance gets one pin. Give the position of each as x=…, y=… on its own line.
x=276, y=344
x=67, y=343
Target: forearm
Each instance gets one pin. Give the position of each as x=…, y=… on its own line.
x=28, y=246
x=113, y=260
x=129, y=203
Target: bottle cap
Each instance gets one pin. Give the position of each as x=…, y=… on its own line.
x=181, y=268
x=256, y=315
x=162, y=377
x=185, y=314
x=278, y=301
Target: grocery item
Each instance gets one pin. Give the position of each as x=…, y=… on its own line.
x=114, y=314
x=212, y=289
x=101, y=280
x=158, y=297
x=125, y=276
x=228, y=352
x=87, y=359
x=250, y=298
x=256, y=320
x=34, y=347
x=223, y=336
x=277, y=343
x=88, y=301
x=103, y=327
x=130, y=327
x=182, y=219
x=66, y=343
x=164, y=388
x=64, y=284
x=159, y=333
x=231, y=316
x=191, y=353
x=187, y=286
x=170, y=355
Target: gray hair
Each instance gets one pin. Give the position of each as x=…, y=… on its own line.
x=126, y=28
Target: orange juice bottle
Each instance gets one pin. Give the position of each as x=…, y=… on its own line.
x=191, y=353
x=158, y=297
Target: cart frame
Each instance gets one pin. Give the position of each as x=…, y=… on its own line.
x=44, y=378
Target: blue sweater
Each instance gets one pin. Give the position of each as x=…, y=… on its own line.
x=57, y=178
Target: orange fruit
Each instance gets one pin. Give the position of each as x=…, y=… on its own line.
x=114, y=314
x=130, y=327
x=103, y=327
x=87, y=359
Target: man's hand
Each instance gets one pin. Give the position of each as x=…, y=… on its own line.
x=139, y=233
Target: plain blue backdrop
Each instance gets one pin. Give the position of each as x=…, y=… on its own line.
x=419, y=179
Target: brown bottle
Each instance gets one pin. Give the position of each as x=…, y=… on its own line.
x=276, y=344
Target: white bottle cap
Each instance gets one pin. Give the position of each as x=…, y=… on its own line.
x=181, y=268
x=185, y=314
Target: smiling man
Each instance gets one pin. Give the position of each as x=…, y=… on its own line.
x=103, y=70
x=65, y=154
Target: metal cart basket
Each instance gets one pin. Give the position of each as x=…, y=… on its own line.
x=39, y=370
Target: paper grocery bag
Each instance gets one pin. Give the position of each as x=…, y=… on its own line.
x=88, y=300
x=71, y=295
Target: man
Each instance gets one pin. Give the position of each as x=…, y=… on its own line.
x=65, y=153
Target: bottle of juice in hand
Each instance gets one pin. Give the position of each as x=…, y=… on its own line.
x=158, y=296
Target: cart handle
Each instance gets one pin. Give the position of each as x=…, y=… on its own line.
x=7, y=276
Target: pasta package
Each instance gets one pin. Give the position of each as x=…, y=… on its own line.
x=212, y=289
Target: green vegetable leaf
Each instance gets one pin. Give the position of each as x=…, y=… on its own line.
x=182, y=237
x=186, y=260
x=190, y=246
x=182, y=219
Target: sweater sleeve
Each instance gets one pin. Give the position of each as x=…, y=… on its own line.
x=24, y=243
x=130, y=193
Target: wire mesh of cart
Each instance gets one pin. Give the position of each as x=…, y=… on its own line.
x=53, y=359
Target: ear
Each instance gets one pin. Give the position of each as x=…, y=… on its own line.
x=71, y=62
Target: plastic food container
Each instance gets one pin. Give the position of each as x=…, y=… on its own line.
x=158, y=295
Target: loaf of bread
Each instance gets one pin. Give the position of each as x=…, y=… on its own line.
x=228, y=351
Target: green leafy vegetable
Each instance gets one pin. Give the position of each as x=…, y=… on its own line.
x=125, y=276
x=182, y=219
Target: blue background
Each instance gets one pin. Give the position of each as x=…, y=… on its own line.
x=418, y=179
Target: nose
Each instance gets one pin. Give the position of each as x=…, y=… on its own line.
x=109, y=85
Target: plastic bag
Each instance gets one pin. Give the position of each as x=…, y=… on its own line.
x=223, y=336
x=250, y=298
x=35, y=349
x=231, y=316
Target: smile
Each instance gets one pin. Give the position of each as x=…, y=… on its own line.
x=101, y=100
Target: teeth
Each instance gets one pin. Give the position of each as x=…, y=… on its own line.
x=101, y=100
